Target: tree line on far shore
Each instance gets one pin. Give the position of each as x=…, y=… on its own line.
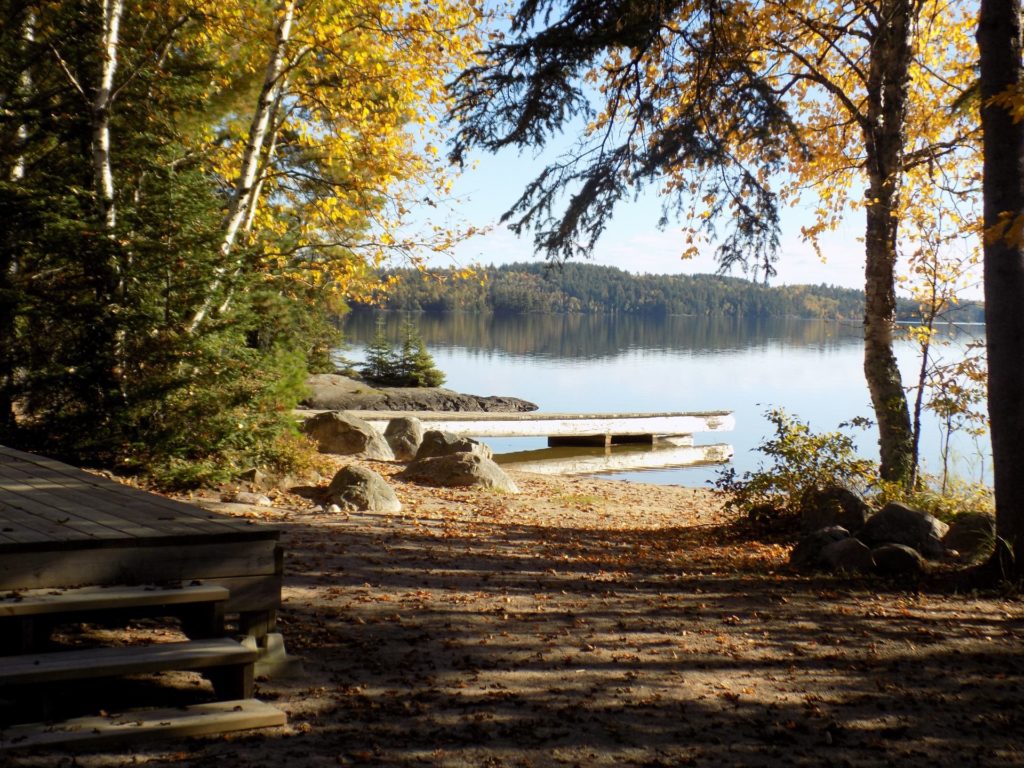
x=539, y=287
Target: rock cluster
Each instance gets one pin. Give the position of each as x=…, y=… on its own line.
x=335, y=392
x=437, y=458
x=841, y=535
x=347, y=435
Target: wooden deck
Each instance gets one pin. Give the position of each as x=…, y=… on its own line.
x=62, y=527
x=556, y=425
x=587, y=461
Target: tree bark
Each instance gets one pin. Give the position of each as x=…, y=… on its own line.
x=113, y=10
x=28, y=35
x=884, y=129
x=1000, y=46
x=247, y=184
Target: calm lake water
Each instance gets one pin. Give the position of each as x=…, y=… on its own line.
x=586, y=363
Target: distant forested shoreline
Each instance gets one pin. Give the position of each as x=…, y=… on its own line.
x=524, y=288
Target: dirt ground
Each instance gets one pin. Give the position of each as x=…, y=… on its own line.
x=593, y=623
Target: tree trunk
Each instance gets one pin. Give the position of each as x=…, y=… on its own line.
x=1000, y=45
x=28, y=35
x=884, y=128
x=112, y=13
x=246, y=185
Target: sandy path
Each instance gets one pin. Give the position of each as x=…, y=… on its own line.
x=596, y=624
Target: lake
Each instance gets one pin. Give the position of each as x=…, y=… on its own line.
x=601, y=363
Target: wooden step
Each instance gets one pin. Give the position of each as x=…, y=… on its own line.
x=38, y=602
x=27, y=616
x=227, y=664
x=196, y=720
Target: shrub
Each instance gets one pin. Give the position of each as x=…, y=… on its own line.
x=801, y=460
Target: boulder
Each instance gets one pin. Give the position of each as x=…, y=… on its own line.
x=459, y=470
x=847, y=555
x=807, y=554
x=330, y=391
x=898, y=560
x=972, y=534
x=897, y=523
x=342, y=433
x=359, y=489
x=834, y=505
x=438, y=443
x=404, y=435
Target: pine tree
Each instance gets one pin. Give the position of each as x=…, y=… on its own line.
x=406, y=365
x=425, y=372
x=380, y=364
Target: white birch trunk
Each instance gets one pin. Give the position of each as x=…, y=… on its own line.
x=246, y=185
x=113, y=10
x=25, y=85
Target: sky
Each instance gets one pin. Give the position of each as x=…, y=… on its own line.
x=633, y=240
x=491, y=184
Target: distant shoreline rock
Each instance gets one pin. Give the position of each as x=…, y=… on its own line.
x=334, y=392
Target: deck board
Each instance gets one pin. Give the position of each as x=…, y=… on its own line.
x=64, y=527
x=42, y=500
x=101, y=501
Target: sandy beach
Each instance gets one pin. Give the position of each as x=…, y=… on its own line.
x=592, y=623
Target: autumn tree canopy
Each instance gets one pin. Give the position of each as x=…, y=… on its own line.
x=732, y=110
x=188, y=188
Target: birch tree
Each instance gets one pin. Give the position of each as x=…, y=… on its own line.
x=188, y=190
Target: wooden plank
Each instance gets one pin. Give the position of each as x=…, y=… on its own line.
x=564, y=461
x=31, y=669
x=126, y=511
x=18, y=527
x=196, y=720
x=21, y=498
x=540, y=424
x=132, y=565
x=252, y=593
x=49, y=601
x=125, y=503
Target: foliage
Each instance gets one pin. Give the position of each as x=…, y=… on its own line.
x=711, y=101
x=190, y=193
x=944, y=497
x=410, y=366
x=801, y=460
x=952, y=387
x=590, y=288
x=380, y=355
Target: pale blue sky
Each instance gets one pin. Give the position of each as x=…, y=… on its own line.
x=633, y=241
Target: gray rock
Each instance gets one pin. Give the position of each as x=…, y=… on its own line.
x=806, y=555
x=347, y=435
x=835, y=505
x=404, y=435
x=360, y=489
x=972, y=534
x=335, y=392
x=254, y=476
x=459, y=470
x=897, y=523
x=437, y=443
x=898, y=560
x=334, y=509
x=848, y=555
x=256, y=499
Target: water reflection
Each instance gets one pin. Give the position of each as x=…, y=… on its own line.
x=601, y=364
x=593, y=337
